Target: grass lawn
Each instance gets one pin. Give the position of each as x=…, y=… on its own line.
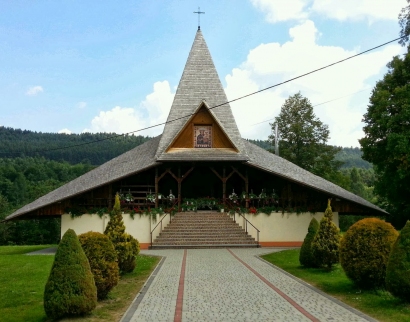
x=22, y=281
x=380, y=305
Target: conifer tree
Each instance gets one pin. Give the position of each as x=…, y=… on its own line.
x=325, y=246
x=70, y=288
x=306, y=256
x=126, y=247
x=398, y=266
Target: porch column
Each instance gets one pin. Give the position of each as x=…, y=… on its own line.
x=247, y=189
x=156, y=187
x=110, y=196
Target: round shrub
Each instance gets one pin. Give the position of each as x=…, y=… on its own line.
x=129, y=254
x=103, y=261
x=364, y=251
x=398, y=266
x=70, y=288
x=325, y=245
x=306, y=257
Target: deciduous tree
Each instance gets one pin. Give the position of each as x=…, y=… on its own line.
x=387, y=138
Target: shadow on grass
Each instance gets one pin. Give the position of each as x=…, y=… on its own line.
x=379, y=304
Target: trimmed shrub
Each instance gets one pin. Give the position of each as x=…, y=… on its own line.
x=325, y=245
x=306, y=256
x=103, y=261
x=398, y=266
x=128, y=263
x=364, y=251
x=126, y=247
x=70, y=288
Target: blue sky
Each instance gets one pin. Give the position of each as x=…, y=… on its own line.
x=109, y=66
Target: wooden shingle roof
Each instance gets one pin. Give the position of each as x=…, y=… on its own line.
x=262, y=159
x=200, y=82
x=136, y=160
x=143, y=157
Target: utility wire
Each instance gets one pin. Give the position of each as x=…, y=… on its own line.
x=234, y=100
x=335, y=99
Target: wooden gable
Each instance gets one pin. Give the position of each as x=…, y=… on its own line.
x=186, y=138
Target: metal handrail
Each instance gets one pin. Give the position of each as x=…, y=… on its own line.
x=160, y=222
x=246, y=226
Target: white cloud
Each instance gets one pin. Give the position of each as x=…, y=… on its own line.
x=34, y=90
x=65, y=131
x=278, y=10
x=272, y=63
x=359, y=9
x=81, y=104
x=153, y=110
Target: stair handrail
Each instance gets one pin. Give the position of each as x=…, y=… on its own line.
x=160, y=222
x=246, y=226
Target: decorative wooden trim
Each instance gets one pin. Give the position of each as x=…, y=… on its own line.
x=240, y=174
x=216, y=173
x=187, y=173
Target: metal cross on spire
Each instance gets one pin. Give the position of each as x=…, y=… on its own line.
x=199, y=12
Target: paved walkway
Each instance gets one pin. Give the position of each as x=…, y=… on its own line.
x=230, y=285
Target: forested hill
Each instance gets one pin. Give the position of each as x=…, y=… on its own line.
x=351, y=157
x=22, y=143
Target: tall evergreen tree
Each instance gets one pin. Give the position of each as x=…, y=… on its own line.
x=126, y=247
x=303, y=137
x=325, y=246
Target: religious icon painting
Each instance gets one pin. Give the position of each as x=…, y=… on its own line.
x=202, y=136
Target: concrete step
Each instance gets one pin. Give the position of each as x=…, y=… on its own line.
x=203, y=230
x=204, y=246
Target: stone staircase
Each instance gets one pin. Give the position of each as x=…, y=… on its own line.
x=203, y=229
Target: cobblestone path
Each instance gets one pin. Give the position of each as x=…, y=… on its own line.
x=230, y=285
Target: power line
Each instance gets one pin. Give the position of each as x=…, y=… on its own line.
x=335, y=99
x=219, y=105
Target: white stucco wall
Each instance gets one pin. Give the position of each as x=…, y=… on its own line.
x=139, y=227
x=278, y=227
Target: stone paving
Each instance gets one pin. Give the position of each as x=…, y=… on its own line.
x=219, y=287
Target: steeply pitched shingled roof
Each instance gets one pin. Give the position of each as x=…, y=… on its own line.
x=262, y=159
x=199, y=82
x=136, y=160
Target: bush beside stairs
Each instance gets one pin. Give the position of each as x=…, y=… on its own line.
x=203, y=229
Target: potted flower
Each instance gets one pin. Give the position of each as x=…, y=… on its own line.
x=233, y=196
x=252, y=195
x=151, y=197
x=243, y=195
x=129, y=197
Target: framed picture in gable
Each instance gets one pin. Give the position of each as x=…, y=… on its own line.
x=202, y=136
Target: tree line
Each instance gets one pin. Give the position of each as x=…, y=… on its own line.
x=23, y=180
x=20, y=143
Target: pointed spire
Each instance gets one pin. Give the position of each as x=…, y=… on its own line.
x=200, y=82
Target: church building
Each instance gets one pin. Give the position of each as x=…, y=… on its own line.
x=200, y=162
